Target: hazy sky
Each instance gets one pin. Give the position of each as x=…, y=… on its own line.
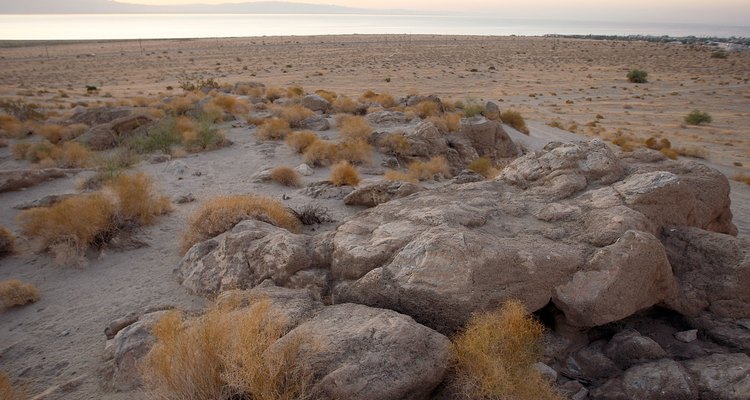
x=735, y=12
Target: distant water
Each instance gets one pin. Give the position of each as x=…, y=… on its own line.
x=156, y=26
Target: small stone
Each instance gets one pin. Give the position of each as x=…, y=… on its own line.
x=304, y=170
x=686, y=336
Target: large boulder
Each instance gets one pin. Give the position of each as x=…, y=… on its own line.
x=721, y=376
x=315, y=103
x=488, y=138
x=381, y=192
x=362, y=353
x=664, y=379
x=100, y=115
x=109, y=135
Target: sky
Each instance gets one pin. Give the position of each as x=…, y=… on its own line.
x=731, y=12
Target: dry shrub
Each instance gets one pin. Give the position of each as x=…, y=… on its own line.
x=223, y=355
x=393, y=175
x=16, y=293
x=345, y=105
x=321, y=152
x=74, y=155
x=42, y=150
x=427, y=108
x=187, y=128
x=275, y=93
x=355, y=151
x=625, y=143
x=396, y=144
x=7, y=391
x=300, y=140
x=20, y=150
x=212, y=112
x=71, y=226
x=494, y=357
x=295, y=91
x=514, y=119
x=692, y=151
x=286, y=176
x=68, y=155
x=742, y=178
x=56, y=133
x=182, y=104
x=249, y=90
x=452, y=122
x=436, y=167
x=231, y=104
x=327, y=95
x=10, y=126
x=483, y=166
x=273, y=129
x=384, y=99
x=353, y=127
x=220, y=214
x=293, y=114
x=344, y=173
x=669, y=153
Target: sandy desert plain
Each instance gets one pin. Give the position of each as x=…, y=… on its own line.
x=565, y=89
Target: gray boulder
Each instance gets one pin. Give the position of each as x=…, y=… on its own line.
x=315, y=103
x=488, y=138
x=663, y=379
x=16, y=179
x=629, y=347
x=721, y=376
x=109, y=135
x=381, y=192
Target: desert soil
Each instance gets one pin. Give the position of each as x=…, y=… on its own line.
x=60, y=339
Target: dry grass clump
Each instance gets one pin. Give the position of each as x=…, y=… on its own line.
x=11, y=126
x=68, y=228
x=220, y=214
x=56, y=133
x=384, y=99
x=7, y=391
x=625, y=143
x=742, y=178
x=393, y=175
x=286, y=176
x=181, y=104
x=396, y=144
x=327, y=95
x=273, y=129
x=691, y=151
x=483, y=166
x=321, y=152
x=494, y=357
x=46, y=154
x=7, y=241
x=343, y=173
x=435, y=168
x=452, y=122
x=300, y=140
x=223, y=355
x=16, y=293
x=293, y=114
x=275, y=93
x=355, y=151
x=663, y=145
x=353, y=127
x=345, y=105
x=294, y=92
x=514, y=119
x=231, y=104
x=427, y=108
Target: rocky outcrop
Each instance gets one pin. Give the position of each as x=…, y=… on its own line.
x=488, y=138
x=358, y=352
x=16, y=179
x=381, y=192
x=387, y=118
x=315, y=103
x=110, y=134
x=100, y=115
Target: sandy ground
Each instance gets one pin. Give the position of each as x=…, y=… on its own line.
x=60, y=338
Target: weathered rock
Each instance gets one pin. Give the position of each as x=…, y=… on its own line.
x=326, y=190
x=721, y=376
x=712, y=271
x=590, y=363
x=184, y=198
x=627, y=276
x=100, y=115
x=46, y=201
x=687, y=336
x=250, y=253
x=22, y=178
x=426, y=141
x=315, y=123
x=629, y=347
x=467, y=176
x=414, y=100
x=381, y=192
x=491, y=111
x=728, y=332
x=663, y=379
x=159, y=158
x=387, y=118
x=110, y=134
x=315, y=102
x=488, y=138
x=304, y=170
x=547, y=372
x=119, y=324
x=364, y=353
x=261, y=176
x=294, y=305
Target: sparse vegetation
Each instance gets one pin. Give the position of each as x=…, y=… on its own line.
x=293, y=114
x=483, y=166
x=222, y=355
x=742, y=178
x=345, y=105
x=11, y=126
x=16, y=293
x=321, y=152
x=191, y=85
x=300, y=140
x=637, y=76
x=514, y=119
x=353, y=127
x=286, y=176
x=68, y=228
x=721, y=53
x=220, y=214
x=427, y=108
x=312, y=214
x=396, y=144
x=472, y=108
x=46, y=154
x=393, y=175
x=494, y=357
x=698, y=117
x=22, y=110
x=56, y=133
x=343, y=173
x=273, y=129
x=159, y=138
x=356, y=151
x=7, y=241
x=437, y=167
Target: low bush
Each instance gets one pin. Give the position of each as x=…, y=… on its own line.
x=626, y=144
x=427, y=108
x=637, y=76
x=7, y=241
x=343, y=173
x=437, y=167
x=353, y=127
x=345, y=105
x=495, y=354
x=68, y=228
x=207, y=137
x=16, y=293
x=286, y=176
x=293, y=114
x=483, y=166
x=56, y=133
x=384, y=99
x=356, y=151
x=300, y=140
x=742, y=178
x=223, y=355
x=275, y=93
x=231, y=104
x=161, y=138
x=182, y=104
x=692, y=151
x=452, y=122
x=295, y=91
x=472, y=108
x=321, y=152
x=273, y=129
x=393, y=175
x=697, y=117
x=10, y=126
x=7, y=391
x=312, y=214
x=46, y=154
x=396, y=144
x=327, y=95
x=514, y=119
x=220, y=214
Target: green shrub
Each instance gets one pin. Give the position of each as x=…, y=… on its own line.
x=637, y=76
x=697, y=117
x=159, y=138
x=472, y=108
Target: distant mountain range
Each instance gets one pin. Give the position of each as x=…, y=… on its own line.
x=115, y=7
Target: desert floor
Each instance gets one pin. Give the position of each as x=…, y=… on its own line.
x=59, y=340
